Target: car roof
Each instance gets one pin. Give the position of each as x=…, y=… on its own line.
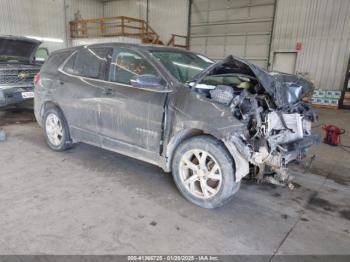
x=145, y=47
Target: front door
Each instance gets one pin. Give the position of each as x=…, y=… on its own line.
x=131, y=118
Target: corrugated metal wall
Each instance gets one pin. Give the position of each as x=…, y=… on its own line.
x=323, y=28
x=87, y=8
x=165, y=16
x=132, y=8
x=240, y=27
x=40, y=18
x=43, y=18
x=168, y=17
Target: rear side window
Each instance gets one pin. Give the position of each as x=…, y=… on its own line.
x=54, y=61
x=88, y=62
x=69, y=66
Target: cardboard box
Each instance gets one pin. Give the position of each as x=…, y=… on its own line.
x=326, y=101
x=319, y=93
x=334, y=102
x=318, y=101
x=337, y=94
x=333, y=94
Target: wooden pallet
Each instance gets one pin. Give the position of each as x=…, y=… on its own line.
x=325, y=106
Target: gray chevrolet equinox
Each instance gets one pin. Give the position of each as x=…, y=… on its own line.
x=210, y=124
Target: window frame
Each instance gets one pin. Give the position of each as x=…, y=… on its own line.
x=149, y=61
x=102, y=74
x=106, y=76
x=201, y=56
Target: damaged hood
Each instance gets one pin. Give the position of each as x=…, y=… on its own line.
x=285, y=89
x=17, y=48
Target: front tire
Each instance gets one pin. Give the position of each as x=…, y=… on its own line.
x=56, y=130
x=204, y=172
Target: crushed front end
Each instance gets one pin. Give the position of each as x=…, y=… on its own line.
x=274, y=139
x=270, y=104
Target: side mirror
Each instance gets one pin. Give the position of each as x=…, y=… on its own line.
x=149, y=82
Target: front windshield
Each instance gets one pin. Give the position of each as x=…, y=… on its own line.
x=182, y=65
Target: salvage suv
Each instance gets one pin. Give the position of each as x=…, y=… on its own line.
x=210, y=124
x=18, y=66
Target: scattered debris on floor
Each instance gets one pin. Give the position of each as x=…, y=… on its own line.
x=284, y=216
x=2, y=135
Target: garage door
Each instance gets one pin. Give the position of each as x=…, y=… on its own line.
x=239, y=27
x=284, y=62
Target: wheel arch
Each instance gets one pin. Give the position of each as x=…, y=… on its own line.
x=47, y=105
x=179, y=137
x=50, y=104
x=49, y=108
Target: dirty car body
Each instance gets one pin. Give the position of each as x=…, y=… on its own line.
x=17, y=69
x=147, y=101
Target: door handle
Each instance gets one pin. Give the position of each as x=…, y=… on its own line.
x=107, y=91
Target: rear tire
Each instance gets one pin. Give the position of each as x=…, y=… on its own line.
x=56, y=130
x=204, y=172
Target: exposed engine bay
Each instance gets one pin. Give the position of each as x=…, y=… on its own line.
x=270, y=104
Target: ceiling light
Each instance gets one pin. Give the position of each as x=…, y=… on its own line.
x=47, y=39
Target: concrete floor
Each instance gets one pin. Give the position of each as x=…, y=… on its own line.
x=91, y=201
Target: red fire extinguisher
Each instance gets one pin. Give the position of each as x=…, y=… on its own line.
x=332, y=134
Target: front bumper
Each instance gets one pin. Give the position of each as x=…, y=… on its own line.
x=13, y=95
x=298, y=149
x=276, y=161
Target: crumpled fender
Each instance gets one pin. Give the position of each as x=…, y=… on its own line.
x=283, y=88
x=241, y=163
x=192, y=111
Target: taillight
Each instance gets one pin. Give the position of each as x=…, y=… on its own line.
x=36, y=79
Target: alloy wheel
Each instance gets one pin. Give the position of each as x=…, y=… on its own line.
x=54, y=129
x=200, y=173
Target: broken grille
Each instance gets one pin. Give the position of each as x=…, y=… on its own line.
x=17, y=76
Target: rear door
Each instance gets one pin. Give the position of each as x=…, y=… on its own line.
x=81, y=82
x=131, y=117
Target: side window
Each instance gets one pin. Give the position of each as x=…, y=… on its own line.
x=69, y=66
x=88, y=62
x=126, y=64
x=54, y=61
